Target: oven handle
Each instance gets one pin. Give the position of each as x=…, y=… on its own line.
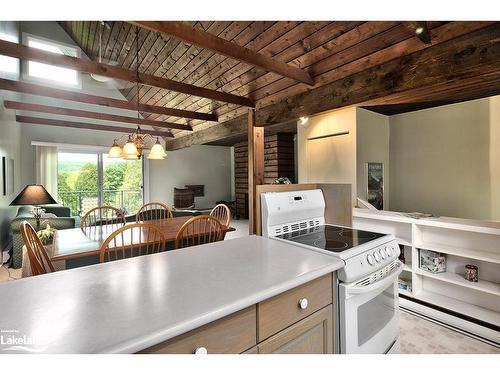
x=381, y=284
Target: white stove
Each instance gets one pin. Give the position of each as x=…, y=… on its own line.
x=367, y=291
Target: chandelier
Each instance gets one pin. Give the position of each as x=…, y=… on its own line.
x=138, y=141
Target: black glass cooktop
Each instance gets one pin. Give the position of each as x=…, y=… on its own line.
x=331, y=238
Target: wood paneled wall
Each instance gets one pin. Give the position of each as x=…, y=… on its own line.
x=279, y=161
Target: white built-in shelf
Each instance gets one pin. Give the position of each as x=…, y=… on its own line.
x=479, y=226
x=454, y=278
x=382, y=215
x=405, y=293
x=407, y=268
x=402, y=241
x=474, y=240
x=486, y=256
x=464, y=308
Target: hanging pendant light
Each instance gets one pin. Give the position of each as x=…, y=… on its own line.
x=157, y=151
x=136, y=142
x=130, y=150
x=115, y=151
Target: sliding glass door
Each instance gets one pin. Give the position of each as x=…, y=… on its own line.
x=87, y=180
x=122, y=183
x=78, y=181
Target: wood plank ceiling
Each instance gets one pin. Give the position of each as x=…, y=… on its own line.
x=328, y=51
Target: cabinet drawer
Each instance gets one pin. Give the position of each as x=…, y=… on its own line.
x=312, y=335
x=283, y=310
x=230, y=335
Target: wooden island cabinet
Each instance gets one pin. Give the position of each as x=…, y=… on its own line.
x=298, y=321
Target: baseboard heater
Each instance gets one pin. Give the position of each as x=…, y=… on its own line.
x=467, y=318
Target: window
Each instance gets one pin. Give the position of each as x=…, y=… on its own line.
x=89, y=179
x=9, y=64
x=49, y=73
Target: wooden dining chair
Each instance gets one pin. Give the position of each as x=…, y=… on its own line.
x=132, y=240
x=223, y=213
x=40, y=262
x=100, y=216
x=199, y=230
x=154, y=211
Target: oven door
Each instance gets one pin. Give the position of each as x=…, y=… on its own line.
x=369, y=315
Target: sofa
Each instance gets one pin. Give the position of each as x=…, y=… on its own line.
x=62, y=221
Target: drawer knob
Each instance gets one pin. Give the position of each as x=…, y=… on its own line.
x=303, y=303
x=201, y=350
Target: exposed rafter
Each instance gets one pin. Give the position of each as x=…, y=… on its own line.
x=474, y=71
x=85, y=125
x=88, y=114
x=27, y=53
x=212, y=42
x=29, y=88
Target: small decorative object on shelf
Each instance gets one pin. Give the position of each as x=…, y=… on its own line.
x=402, y=254
x=471, y=273
x=432, y=261
x=282, y=181
x=419, y=215
x=404, y=285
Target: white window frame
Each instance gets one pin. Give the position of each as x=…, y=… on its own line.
x=99, y=150
x=48, y=82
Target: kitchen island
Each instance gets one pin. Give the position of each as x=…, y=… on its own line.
x=248, y=294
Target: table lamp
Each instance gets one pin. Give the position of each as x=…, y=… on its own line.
x=34, y=195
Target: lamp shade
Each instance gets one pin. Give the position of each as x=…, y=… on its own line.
x=35, y=195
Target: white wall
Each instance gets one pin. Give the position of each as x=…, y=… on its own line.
x=372, y=145
x=10, y=134
x=332, y=159
x=441, y=160
x=494, y=147
x=196, y=165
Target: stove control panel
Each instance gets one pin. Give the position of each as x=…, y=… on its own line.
x=369, y=261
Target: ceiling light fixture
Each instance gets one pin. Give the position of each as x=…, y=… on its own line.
x=98, y=77
x=419, y=30
x=137, y=141
x=303, y=120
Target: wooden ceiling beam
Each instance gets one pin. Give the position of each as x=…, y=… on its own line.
x=29, y=88
x=465, y=66
x=219, y=45
x=85, y=125
x=27, y=53
x=93, y=115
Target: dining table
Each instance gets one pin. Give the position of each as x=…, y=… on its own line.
x=78, y=247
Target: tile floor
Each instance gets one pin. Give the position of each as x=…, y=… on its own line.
x=418, y=336
x=421, y=336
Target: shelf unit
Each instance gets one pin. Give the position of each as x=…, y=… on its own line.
x=464, y=242
x=453, y=278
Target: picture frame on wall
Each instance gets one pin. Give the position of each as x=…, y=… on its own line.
x=375, y=184
x=2, y=174
x=7, y=174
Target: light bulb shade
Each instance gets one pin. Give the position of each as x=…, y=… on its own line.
x=35, y=195
x=130, y=150
x=115, y=151
x=157, y=152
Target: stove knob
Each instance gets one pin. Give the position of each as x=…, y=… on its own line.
x=376, y=256
x=388, y=250
x=369, y=259
x=383, y=253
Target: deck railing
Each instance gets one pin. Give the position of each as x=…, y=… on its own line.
x=81, y=201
